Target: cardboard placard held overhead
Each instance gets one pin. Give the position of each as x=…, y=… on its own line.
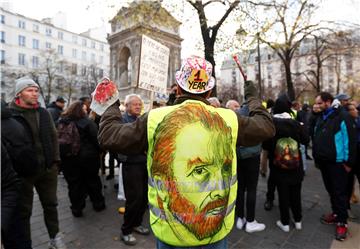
x=154, y=63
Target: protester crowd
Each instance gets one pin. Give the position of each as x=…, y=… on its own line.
x=192, y=163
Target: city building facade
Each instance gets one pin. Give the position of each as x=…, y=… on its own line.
x=62, y=62
x=339, y=72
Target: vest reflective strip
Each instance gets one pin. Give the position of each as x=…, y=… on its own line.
x=157, y=211
x=192, y=187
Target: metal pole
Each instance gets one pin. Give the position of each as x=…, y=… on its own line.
x=259, y=65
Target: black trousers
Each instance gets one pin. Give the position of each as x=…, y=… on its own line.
x=82, y=177
x=289, y=198
x=335, y=180
x=355, y=171
x=135, y=180
x=271, y=186
x=248, y=175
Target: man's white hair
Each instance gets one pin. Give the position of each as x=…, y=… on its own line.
x=230, y=102
x=129, y=97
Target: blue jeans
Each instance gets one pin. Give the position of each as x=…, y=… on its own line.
x=222, y=244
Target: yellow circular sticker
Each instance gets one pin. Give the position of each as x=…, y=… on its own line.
x=198, y=80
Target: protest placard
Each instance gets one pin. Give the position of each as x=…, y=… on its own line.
x=154, y=63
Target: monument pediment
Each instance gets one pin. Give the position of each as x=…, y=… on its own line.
x=146, y=13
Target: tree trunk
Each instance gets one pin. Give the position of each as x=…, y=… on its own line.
x=209, y=56
x=289, y=83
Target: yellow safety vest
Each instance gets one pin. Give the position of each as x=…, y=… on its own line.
x=195, y=204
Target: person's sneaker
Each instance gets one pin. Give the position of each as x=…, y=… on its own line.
x=98, y=207
x=109, y=177
x=328, y=219
x=57, y=242
x=298, y=225
x=341, y=231
x=254, y=226
x=240, y=223
x=77, y=212
x=141, y=230
x=268, y=205
x=129, y=239
x=285, y=228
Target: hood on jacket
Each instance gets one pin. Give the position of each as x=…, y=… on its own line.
x=282, y=104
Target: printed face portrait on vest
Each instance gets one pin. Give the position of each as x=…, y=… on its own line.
x=192, y=169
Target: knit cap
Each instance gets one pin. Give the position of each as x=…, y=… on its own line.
x=23, y=83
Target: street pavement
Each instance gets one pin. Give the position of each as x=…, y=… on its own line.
x=102, y=230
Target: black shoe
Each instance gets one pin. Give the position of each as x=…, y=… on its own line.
x=99, y=207
x=268, y=205
x=109, y=177
x=77, y=212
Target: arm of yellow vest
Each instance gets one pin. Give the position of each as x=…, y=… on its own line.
x=257, y=127
x=129, y=138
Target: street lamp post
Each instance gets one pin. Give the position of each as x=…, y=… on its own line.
x=259, y=65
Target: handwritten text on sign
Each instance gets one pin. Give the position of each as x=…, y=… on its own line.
x=154, y=63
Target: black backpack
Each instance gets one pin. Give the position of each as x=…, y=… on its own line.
x=69, y=139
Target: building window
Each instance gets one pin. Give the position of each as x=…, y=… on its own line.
x=61, y=67
x=92, y=58
x=60, y=49
x=74, y=39
x=269, y=56
x=35, y=62
x=61, y=35
x=74, y=53
x=84, y=42
x=35, y=44
x=2, y=19
x=48, y=45
x=101, y=73
x=83, y=70
x=21, y=40
x=83, y=56
x=2, y=58
x=36, y=28
x=21, y=24
x=102, y=47
x=74, y=68
x=2, y=36
x=21, y=59
x=48, y=31
x=92, y=44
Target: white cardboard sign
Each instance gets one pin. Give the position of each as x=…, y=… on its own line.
x=154, y=63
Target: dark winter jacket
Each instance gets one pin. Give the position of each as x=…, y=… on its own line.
x=133, y=159
x=132, y=138
x=286, y=127
x=39, y=124
x=55, y=111
x=10, y=186
x=89, y=146
x=19, y=144
x=335, y=137
x=251, y=151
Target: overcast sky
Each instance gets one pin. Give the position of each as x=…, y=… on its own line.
x=80, y=18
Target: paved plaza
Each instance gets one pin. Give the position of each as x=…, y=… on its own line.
x=102, y=230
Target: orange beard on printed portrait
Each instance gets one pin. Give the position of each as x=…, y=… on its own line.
x=202, y=223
